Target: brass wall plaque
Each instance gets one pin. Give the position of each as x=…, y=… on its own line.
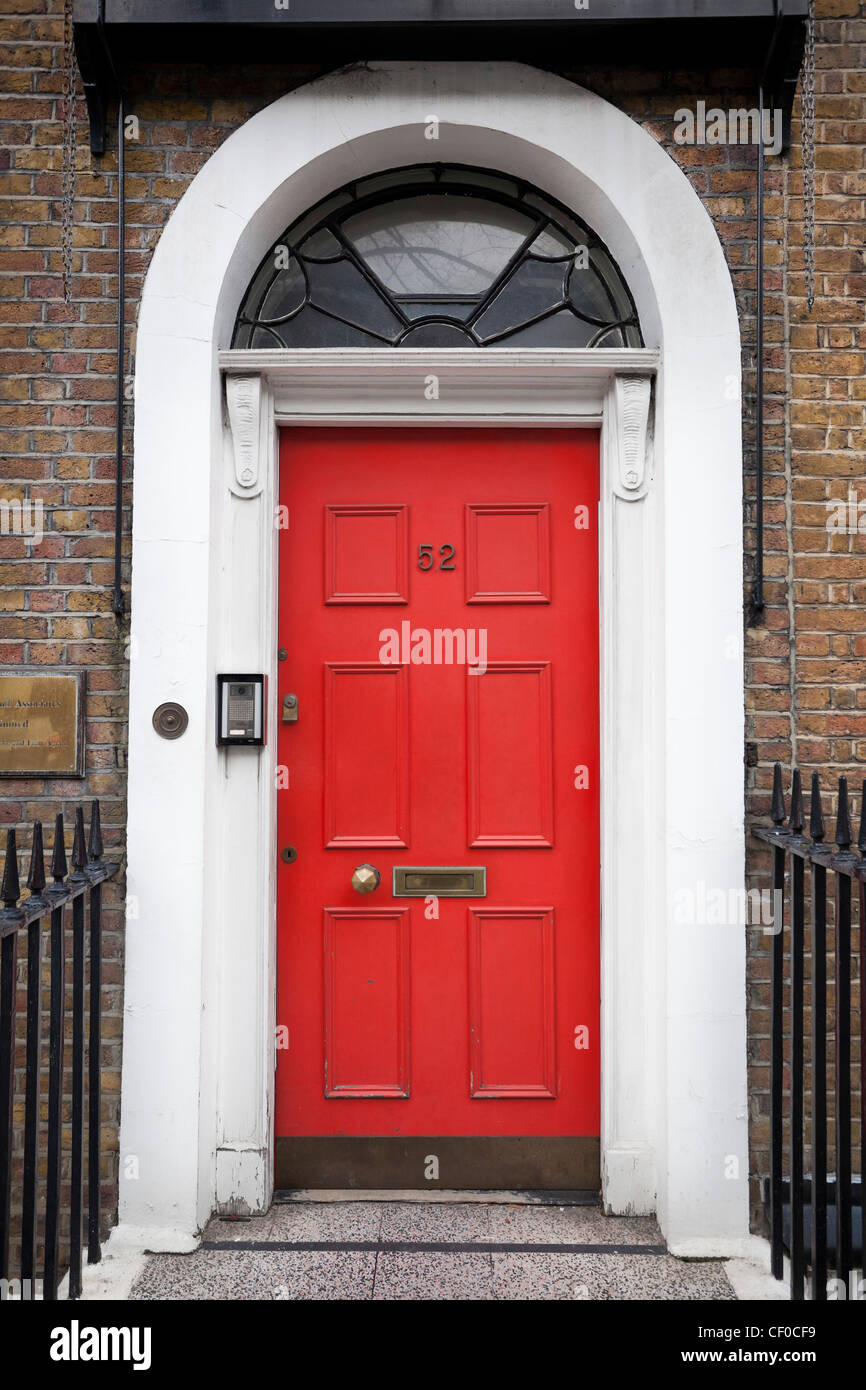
x=42, y=723
x=440, y=881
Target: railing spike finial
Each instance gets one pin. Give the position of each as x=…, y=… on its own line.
x=796, y=821
x=79, y=843
x=817, y=828
x=10, y=889
x=36, y=874
x=95, y=847
x=59, y=867
x=777, y=810
x=861, y=838
x=844, y=834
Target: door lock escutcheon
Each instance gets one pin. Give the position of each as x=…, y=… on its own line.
x=290, y=709
x=288, y=854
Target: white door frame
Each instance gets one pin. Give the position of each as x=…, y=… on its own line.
x=607, y=388
x=198, y=1032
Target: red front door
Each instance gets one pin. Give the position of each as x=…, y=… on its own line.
x=439, y=615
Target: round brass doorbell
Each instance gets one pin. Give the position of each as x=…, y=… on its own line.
x=366, y=879
x=170, y=719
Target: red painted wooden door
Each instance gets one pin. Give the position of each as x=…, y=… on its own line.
x=439, y=610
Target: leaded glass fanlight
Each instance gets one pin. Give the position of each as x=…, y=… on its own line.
x=437, y=256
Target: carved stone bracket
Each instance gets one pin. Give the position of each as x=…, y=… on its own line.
x=244, y=398
x=632, y=396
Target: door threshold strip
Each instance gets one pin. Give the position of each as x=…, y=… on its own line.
x=433, y=1247
x=530, y=1197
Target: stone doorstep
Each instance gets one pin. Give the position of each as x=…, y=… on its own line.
x=401, y=1248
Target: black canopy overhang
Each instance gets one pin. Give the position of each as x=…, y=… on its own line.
x=761, y=36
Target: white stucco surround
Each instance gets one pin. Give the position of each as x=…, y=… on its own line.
x=198, y=1031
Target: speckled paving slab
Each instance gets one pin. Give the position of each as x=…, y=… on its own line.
x=258, y=1275
x=606, y=1277
x=431, y=1251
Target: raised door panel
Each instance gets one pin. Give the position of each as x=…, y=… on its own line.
x=366, y=953
x=512, y=1034
x=510, y=755
x=366, y=556
x=366, y=755
x=508, y=552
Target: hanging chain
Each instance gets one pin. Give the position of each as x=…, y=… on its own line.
x=808, y=129
x=68, y=177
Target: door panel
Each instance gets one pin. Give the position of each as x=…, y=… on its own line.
x=508, y=553
x=366, y=560
x=366, y=1001
x=366, y=754
x=439, y=608
x=510, y=755
x=512, y=1036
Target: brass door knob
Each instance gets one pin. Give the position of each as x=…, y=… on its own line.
x=366, y=879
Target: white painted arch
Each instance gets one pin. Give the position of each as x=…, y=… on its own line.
x=198, y=1060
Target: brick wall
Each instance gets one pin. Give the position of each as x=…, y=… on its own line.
x=805, y=665
x=805, y=662
x=57, y=446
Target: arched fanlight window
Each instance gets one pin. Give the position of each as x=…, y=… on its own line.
x=437, y=256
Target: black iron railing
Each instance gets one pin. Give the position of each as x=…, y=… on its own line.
x=46, y=905
x=819, y=1215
